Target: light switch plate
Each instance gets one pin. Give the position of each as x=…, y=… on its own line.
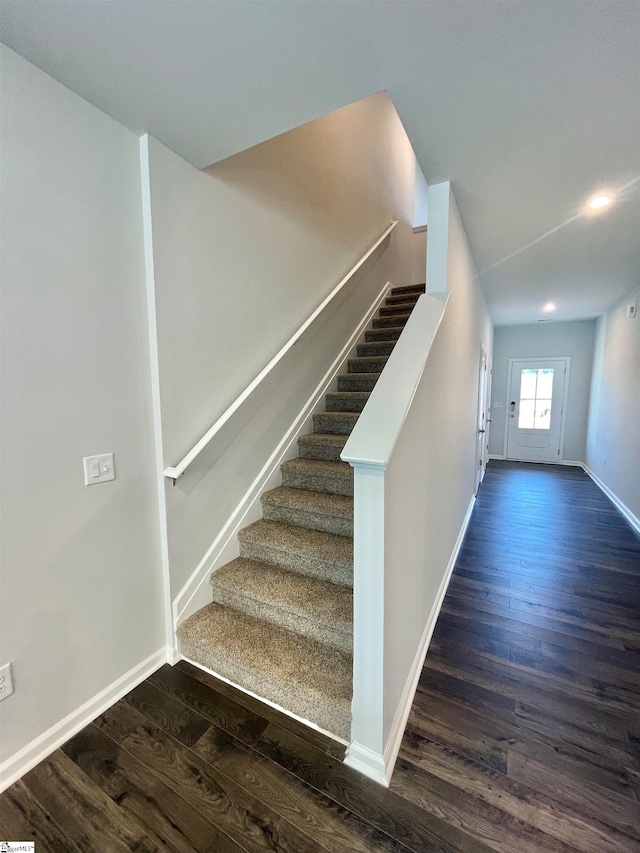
x=6, y=681
x=98, y=469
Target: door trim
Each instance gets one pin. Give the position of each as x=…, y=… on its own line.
x=565, y=397
x=479, y=476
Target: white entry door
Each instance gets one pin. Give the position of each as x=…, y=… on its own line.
x=536, y=409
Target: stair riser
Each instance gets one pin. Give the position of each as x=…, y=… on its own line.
x=374, y=364
x=309, y=449
x=403, y=298
x=410, y=289
x=334, y=423
x=385, y=322
x=382, y=335
x=375, y=348
x=328, y=485
x=338, y=636
x=337, y=403
x=396, y=309
x=337, y=524
x=313, y=567
x=357, y=382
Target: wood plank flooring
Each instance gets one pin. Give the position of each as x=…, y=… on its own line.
x=524, y=736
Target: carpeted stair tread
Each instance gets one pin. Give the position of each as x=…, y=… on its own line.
x=357, y=381
x=410, y=288
x=375, y=348
x=402, y=299
x=301, y=675
x=317, y=445
x=386, y=322
x=318, y=475
x=393, y=310
x=314, y=553
x=316, y=510
x=313, y=608
x=370, y=364
x=316, y=501
x=347, y=401
x=390, y=334
x=339, y=423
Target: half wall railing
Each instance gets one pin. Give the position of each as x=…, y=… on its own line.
x=380, y=507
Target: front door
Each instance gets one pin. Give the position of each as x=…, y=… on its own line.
x=536, y=409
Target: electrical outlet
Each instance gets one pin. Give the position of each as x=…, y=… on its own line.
x=632, y=310
x=6, y=681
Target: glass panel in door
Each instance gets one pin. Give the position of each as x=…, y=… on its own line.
x=536, y=388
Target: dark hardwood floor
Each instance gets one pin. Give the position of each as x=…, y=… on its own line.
x=524, y=736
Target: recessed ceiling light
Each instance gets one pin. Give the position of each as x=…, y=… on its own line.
x=599, y=201
x=549, y=307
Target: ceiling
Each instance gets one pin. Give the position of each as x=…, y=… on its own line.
x=527, y=107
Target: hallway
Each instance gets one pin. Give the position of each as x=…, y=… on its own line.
x=524, y=736
x=526, y=723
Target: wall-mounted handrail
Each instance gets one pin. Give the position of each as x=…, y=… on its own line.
x=176, y=471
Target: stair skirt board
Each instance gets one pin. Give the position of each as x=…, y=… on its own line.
x=279, y=622
x=262, y=699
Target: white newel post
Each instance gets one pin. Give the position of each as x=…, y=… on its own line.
x=367, y=736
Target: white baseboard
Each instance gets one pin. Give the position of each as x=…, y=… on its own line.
x=559, y=462
x=633, y=520
x=366, y=761
x=194, y=594
x=173, y=655
x=13, y=768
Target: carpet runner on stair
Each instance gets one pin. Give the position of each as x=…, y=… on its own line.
x=281, y=620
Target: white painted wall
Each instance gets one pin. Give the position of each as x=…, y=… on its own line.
x=438, y=238
x=614, y=417
x=243, y=253
x=421, y=199
x=419, y=257
x=546, y=340
x=81, y=585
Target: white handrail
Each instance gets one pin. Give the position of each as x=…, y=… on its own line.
x=181, y=467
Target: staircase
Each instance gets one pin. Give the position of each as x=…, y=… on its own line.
x=281, y=620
